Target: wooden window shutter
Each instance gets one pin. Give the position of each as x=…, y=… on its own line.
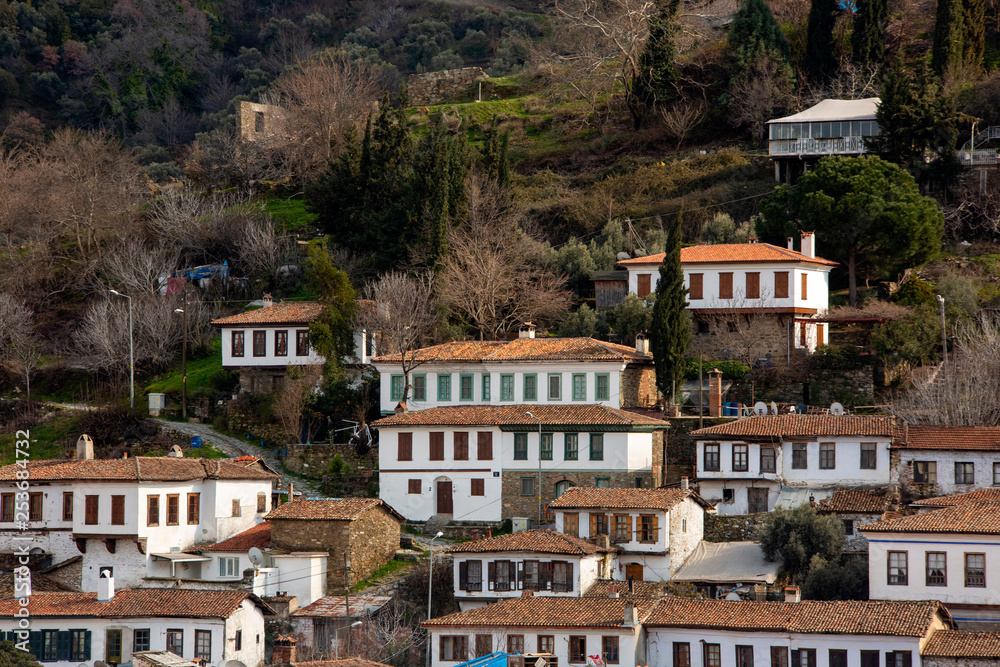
x=520, y=575
x=545, y=572
x=696, y=290
x=781, y=284
x=796, y=659
x=492, y=570
x=405, y=447
x=118, y=510
x=803, y=335
x=569, y=574
x=485, y=445
x=725, y=285
x=753, y=285
x=644, y=284
x=805, y=286
x=631, y=527
x=461, y=446
x=593, y=526
x=819, y=334
x=656, y=528
x=463, y=575
x=437, y=446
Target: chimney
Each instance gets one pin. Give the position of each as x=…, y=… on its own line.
x=84, y=448
x=629, y=615
x=283, y=652
x=685, y=485
x=527, y=593
x=291, y=492
x=105, y=587
x=752, y=239
x=715, y=393
x=613, y=591
x=266, y=301
x=401, y=408
x=808, y=244
x=791, y=243
x=527, y=330
x=793, y=594
x=641, y=344
x=603, y=541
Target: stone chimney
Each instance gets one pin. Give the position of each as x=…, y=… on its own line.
x=715, y=393
x=685, y=485
x=401, y=408
x=808, y=244
x=752, y=239
x=791, y=243
x=266, y=301
x=603, y=541
x=105, y=587
x=291, y=492
x=283, y=652
x=641, y=344
x=527, y=593
x=613, y=591
x=629, y=615
x=793, y=594
x=84, y=448
x=527, y=330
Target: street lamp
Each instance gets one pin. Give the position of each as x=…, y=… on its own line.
x=131, y=353
x=539, y=483
x=184, y=363
x=430, y=578
x=944, y=334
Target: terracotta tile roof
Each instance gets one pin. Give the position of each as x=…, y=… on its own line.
x=333, y=606
x=860, y=501
x=640, y=499
x=514, y=415
x=969, y=438
x=894, y=618
x=328, y=509
x=142, y=468
x=976, y=518
x=39, y=584
x=538, y=541
x=547, y=612
x=259, y=536
x=790, y=426
x=730, y=253
x=956, y=644
x=640, y=589
x=165, y=602
x=286, y=312
x=345, y=662
x=991, y=495
x=524, y=349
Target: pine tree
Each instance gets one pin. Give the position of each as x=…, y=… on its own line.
x=868, y=38
x=820, y=60
x=973, y=40
x=755, y=33
x=670, y=329
x=949, y=29
x=658, y=75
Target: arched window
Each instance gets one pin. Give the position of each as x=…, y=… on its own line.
x=563, y=487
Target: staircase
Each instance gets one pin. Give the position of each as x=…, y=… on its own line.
x=436, y=523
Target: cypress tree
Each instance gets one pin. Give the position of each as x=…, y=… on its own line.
x=496, y=161
x=949, y=29
x=755, y=33
x=975, y=33
x=658, y=73
x=820, y=60
x=670, y=328
x=868, y=38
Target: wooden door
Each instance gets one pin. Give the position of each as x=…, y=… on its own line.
x=756, y=500
x=644, y=284
x=444, y=504
x=633, y=570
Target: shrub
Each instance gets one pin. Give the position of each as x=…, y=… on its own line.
x=915, y=292
x=731, y=370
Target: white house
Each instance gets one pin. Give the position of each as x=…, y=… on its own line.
x=656, y=529
x=945, y=460
x=545, y=562
x=70, y=629
x=527, y=370
x=484, y=462
x=756, y=463
x=134, y=516
x=571, y=629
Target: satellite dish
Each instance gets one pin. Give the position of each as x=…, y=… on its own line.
x=175, y=452
x=760, y=408
x=836, y=409
x=774, y=408
x=622, y=256
x=801, y=408
x=733, y=597
x=256, y=557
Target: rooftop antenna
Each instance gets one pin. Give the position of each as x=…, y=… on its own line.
x=256, y=557
x=760, y=408
x=836, y=409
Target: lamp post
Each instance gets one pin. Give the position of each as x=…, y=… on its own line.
x=944, y=334
x=131, y=352
x=430, y=588
x=538, y=485
x=184, y=361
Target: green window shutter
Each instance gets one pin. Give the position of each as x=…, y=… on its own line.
x=486, y=386
x=64, y=640
x=35, y=643
x=86, y=646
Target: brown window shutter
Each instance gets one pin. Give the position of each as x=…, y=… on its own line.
x=819, y=334
x=491, y=574
x=643, y=287
x=725, y=285
x=593, y=526
x=803, y=339
x=753, y=285
x=118, y=510
x=805, y=285
x=194, y=508
x=656, y=528
x=569, y=574
x=463, y=575
x=405, y=447
x=631, y=528
x=545, y=572
x=781, y=284
x=437, y=446
x=91, y=510
x=462, y=446
x=696, y=290
x=485, y=442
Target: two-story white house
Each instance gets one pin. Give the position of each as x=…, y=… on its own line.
x=756, y=463
x=545, y=562
x=490, y=462
x=133, y=516
x=945, y=460
x=748, y=290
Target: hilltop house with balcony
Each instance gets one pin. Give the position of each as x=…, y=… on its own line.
x=832, y=127
x=484, y=462
x=945, y=460
x=761, y=462
x=656, y=529
x=747, y=299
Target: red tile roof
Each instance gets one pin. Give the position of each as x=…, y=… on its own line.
x=956, y=644
x=524, y=349
x=538, y=541
x=640, y=589
x=789, y=426
x=340, y=509
x=893, y=618
x=859, y=501
x=730, y=253
x=640, y=499
x=972, y=518
x=39, y=584
x=146, y=602
x=334, y=606
x=968, y=438
x=259, y=536
x=286, y=312
x=142, y=468
x=991, y=495
x=547, y=612
x=514, y=415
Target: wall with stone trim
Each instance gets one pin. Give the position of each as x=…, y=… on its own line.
x=435, y=87
x=936, y=661
x=733, y=527
x=259, y=121
x=639, y=387
x=314, y=459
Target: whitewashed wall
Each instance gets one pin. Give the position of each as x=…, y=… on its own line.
x=269, y=358
x=630, y=650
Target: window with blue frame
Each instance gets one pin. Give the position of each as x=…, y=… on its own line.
x=420, y=387
x=520, y=446
x=396, y=388
x=579, y=386
x=530, y=387
x=602, y=387
x=555, y=386
x=486, y=386
x=444, y=387
x=571, y=449
x=546, y=446
x=596, y=446
x=465, y=387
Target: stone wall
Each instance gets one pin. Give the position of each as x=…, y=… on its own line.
x=259, y=121
x=639, y=386
x=680, y=451
x=733, y=528
x=314, y=460
x=938, y=661
x=516, y=505
x=736, y=335
x=435, y=87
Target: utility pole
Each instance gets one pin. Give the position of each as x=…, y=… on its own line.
x=701, y=400
x=944, y=335
x=347, y=601
x=184, y=359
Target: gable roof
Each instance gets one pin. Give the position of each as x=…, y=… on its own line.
x=989, y=495
x=790, y=426
x=547, y=612
x=731, y=253
x=285, y=312
x=956, y=644
x=968, y=438
x=523, y=349
x=552, y=416
x=143, y=469
x=329, y=509
x=974, y=518
x=335, y=606
x=537, y=541
x=640, y=499
x=860, y=501
x=145, y=602
x=259, y=536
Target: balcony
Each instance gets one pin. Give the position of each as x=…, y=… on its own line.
x=817, y=147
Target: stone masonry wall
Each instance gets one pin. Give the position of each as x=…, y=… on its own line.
x=374, y=541
x=639, y=387
x=314, y=460
x=516, y=505
x=436, y=87
x=733, y=528
x=762, y=335
x=259, y=121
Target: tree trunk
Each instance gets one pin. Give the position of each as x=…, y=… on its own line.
x=852, y=280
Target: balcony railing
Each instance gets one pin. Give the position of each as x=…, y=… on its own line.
x=832, y=146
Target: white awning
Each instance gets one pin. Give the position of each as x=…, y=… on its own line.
x=182, y=557
x=830, y=110
x=728, y=562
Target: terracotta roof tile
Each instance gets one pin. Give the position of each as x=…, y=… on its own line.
x=969, y=438
x=334, y=606
x=956, y=644
x=514, y=415
x=895, y=618
x=974, y=518
x=340, y=509
x=640, y=589
x=39, y=584
x=586, y=497
x=286, y=312
x=167, y=602
x=259, y=536
x=786, y=426
x=730, y=253
x=534, y=612
x=860, y=501
x=524, y=349
x=991, y=495
x=142, y=468
x=538, y=541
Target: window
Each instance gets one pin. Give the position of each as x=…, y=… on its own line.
x=239, y=640
x=527, y=486
x=515, y=644
x=413, y=486
x=869, y=659
x=68, y=506
x=622, y=528
x=236, y=344
x=741, y=456
x=546, y=446
x=753, y=285
x=571, y=524
x=713, y=652
x=203, y=644
x=175, y=642
x=848, y=526
x=444, y=387
x=35, y=506
x=728, y=495
x=79, y=645
x=546, y=644
x=261, y=503
x=259, y=343
x=767, y=459
x=484, y=645
x=799, y=456
x=643, y=284
x=897, y=568
x=436, y=447
x=682, y=654
x=827, y=456
x=478, y=487
x=710, y=460
x=838, y=657
x=562, y=577
x=520, y=446
x=647, y=528
x=396, y=385
x=577, y=648
x=404, y=447
x=152, y=510
x=805, y=657
x=925, y=472
x=486, y=387
x=194, y=508
x=258, y=121
x=502, y=575
x=113, y=646
x=937, y=569
x=173, y=509
x=602, y=387
x=779, y=656
x=696, y=286
x=92, y=505
x=563, y=486
x=996, y=474
x=781, y=284
x=965, y=473
x=725, y=285
x=461, y=445
x=898, y=659
x=596, y=446
x=473, y=575
x=555, y=386
x=869, y=458
x=302, y=343
x=140, y=640
x=744, y=656
x=609, y=650
x=465, y=387
x=420, y=387
x=570, y=447
x=229, y=567
x=237, y=510
x=579, y=386
x=602, y=482
x=484, y=446
x=530, y=387
x=281, y=343
x=531, y=576
x=805, y=286
x=506, y=387
x=703, y=326
x=117, y=510
x=454, y=648
x=50, y=651
x=975, y=570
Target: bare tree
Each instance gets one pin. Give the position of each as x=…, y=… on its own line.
x=101, y=343
x=135, y=268
x=391, y=636
x=681, y=119
x=19, y=346
x=757, y=96
x=742, y=329
x=299, y=384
